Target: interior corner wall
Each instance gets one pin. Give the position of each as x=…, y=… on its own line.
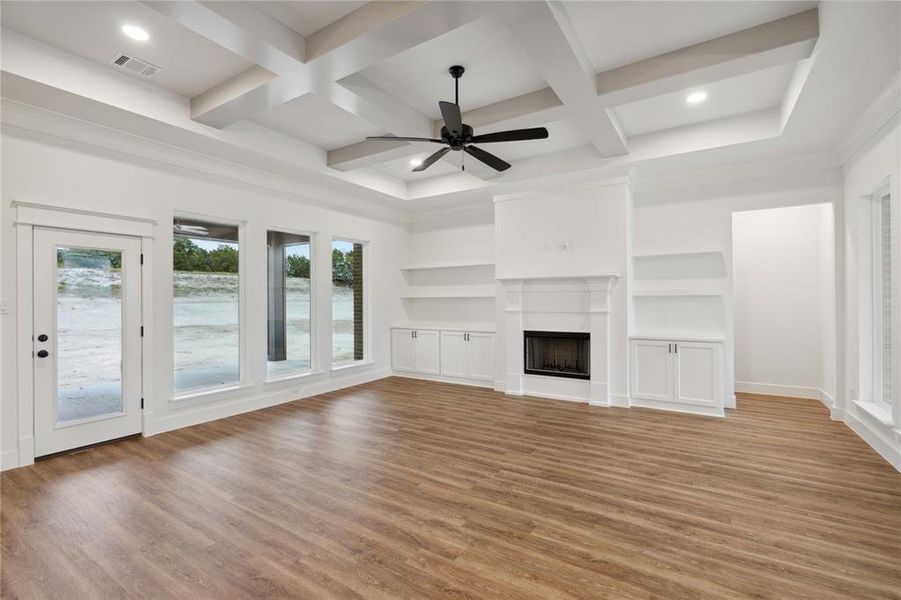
x=44, y=170
x=866, y=173
x=784, y=301
x=687, y=218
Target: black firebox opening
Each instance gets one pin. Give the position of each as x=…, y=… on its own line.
x=557, y=354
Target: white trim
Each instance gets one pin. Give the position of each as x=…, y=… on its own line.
x=706, y=411
x=778, y=389
x=352, y=365
x=64, y=217
x=876, y=410
x=9, y=460
x=884, y=446
x=198, y=395
x=205, y=414
x=444, y=379
x=24, y=343
x=876, y=120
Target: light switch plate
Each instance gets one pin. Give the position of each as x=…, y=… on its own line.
x=4, y=306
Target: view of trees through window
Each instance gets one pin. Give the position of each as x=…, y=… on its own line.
x=289, y=324
x=347, y=301
x=206, y=307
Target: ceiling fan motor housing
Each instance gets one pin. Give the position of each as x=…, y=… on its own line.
x=457, y=143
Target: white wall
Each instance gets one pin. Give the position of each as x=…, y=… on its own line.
x=42, y=170
x=783, y=301
x=579, y=231
x=699, y=215
x=863, y=175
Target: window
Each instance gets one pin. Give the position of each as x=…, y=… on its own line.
x=288, y=326
x=348, y=301
x=882, y=298
x=206, y=305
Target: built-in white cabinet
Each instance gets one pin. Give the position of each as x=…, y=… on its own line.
x=416, y=350
x=449, y=353
x=467, y=355
x=677, y=374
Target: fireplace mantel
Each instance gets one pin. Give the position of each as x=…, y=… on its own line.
x=559, y=303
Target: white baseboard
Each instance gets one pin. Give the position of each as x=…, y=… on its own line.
x=887, y=448
x=774, y=389
x=9, y=460
x=788, y=391
x=208, y=413
x=443, y=379
x=620, y=400
x=706, y=411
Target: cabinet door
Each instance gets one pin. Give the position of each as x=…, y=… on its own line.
x=453, y=354
x=402, y=357
x=698, y=374
x=480, y=356
x=428, y=352
x=652, y=370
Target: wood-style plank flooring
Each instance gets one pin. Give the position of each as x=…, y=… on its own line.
x=411, y=489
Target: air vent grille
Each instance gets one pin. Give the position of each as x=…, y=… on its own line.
x=135, y=65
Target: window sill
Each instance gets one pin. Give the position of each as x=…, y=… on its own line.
x=353, y=365
x=878, y=411
x=210, y=394
x=294, y=377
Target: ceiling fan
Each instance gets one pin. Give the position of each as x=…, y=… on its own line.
x=457, y=135
x=189, y=229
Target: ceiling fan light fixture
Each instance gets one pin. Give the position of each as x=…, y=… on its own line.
x=696, y=97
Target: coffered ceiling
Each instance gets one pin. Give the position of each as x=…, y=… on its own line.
x=295, y=87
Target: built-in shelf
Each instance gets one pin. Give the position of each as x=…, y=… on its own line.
x=675, y=292
x=686, y=336
x=677, y=252
x=446, y=325
x=472, y=291
x=449, y=265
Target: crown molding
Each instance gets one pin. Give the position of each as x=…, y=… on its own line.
x=38, y=123
x=878, y=118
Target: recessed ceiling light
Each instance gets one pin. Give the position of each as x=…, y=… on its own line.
x=135, y=33
x=415, y=162
x=696, y=97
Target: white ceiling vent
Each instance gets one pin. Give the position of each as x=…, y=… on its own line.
x=135, y=65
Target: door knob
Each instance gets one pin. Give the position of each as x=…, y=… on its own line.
x=43, y=337
x=43, y=354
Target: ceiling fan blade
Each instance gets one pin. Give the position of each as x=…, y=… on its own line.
x=431, y=160
x=450, y=112
x=402, y=139
x=513, y=135
x=486, y=157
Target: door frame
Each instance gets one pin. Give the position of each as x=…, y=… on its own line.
x=30, y=215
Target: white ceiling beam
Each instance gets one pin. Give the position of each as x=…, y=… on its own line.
x=366, y=19
x=783, y=41
x=237, y=27
x=547, y=36
x=395, y=32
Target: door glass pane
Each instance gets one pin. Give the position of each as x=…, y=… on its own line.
x=89, y=333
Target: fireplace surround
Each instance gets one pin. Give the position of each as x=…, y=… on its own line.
x=557, y=354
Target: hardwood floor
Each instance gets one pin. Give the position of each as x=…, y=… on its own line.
x=411, y=489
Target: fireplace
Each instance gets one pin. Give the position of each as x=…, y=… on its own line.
x=557, y=354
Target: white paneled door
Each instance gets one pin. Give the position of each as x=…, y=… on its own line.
x=87, y=338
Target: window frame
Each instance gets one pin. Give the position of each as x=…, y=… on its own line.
x=314, y=328
x=878, y=298
x=367, y=293
x=244, y=359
